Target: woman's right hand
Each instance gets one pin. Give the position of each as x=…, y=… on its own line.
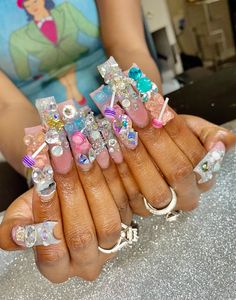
x=86, y=215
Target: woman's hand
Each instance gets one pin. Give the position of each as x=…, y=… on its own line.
x=166, y=157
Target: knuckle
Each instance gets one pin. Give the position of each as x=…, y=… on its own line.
x=79, y=240
x=110, y=231
x=182, y=172
x=122, y=204
x=50, y=257
x=160, y=199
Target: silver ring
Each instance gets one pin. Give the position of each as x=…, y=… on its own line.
x=164, y=211
x=128, y=236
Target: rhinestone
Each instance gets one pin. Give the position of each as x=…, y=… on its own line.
x=83, y=160
x=217, y=167
x=216, y=155
x=144, y=85
x=57, y=150
x=135, y=73
x=52, y=137
x=48, y=172
x=69, y=112
x=205, y=167
x=20, y=234
x=92, y=155
x=125, y=103
x=112, y=143
x=30, y=236
x=37, y=175
x=52, y=106
x=95, y=135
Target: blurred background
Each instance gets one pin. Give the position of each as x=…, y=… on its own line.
x=193, y=42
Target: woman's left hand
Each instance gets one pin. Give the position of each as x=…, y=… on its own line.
x=166, y=158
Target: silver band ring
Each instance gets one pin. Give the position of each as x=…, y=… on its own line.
x=164, y=211
x=129, y=235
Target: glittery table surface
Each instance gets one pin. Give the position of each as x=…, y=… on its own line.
x=194, y=258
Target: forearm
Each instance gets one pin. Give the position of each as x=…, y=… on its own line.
x=16, y=114
x=143, y=59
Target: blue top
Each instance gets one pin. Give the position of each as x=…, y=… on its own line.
x=51, y=48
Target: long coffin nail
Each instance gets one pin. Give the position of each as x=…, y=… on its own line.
x=42, y=172
x=153, y=101
x=86, y=140
x=121, y=123
x=110, y=140
x=35, y=235
x=128, y=98
x=55, y=135
x=211, y=163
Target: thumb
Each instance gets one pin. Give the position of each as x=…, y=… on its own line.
x=208, y=133
x=19, y=213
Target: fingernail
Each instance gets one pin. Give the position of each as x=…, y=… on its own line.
x=121, y=123
x=18, y=235
x=103, y=159
x=153, y=101
x=111, y=142
x=211, y=163
x=42, y=172
x=55, y=136
x=83, y=152
x=35, y=235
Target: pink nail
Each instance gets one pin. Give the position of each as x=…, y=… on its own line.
x=218, y=146
x=62, y=163
x=103, y=159
x=136, y=111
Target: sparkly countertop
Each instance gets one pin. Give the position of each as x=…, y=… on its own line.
x=194, y=258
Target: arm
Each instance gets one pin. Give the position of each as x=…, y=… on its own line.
x=123, y=35
x=16, y=114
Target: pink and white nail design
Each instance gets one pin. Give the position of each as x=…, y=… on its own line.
x=42, y=172
x=55, y=135
x=121, y=123
x=121, y=85
x=111, y=142
x=211, y=163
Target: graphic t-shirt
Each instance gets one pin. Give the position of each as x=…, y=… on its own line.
x=51, y=48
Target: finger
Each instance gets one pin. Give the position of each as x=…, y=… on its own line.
x=52, y=256
x=19, y=213
x=132, y=190
x=208, y=133
x=151, y=184
x=118, y=192
x=79, y=229
x=174, y=165
x=189, y=144
x=102, y=206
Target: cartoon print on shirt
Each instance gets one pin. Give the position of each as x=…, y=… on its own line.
x=51, y=36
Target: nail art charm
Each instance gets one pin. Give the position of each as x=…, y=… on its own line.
x=121, y=123
x=111, y=142
x=211, y=163
x=55, y=135
x=121, y=87
x=42, y=173
x=35, y=235
x=152, y=100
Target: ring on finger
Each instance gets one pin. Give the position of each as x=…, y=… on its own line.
x=169, y=209
x=129, y=235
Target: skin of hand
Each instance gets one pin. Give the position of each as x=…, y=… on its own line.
x=85, y=223
x=87, y=216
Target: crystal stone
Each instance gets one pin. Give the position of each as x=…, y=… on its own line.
x=30, y=236
x=57, y=151
x=135, y=73
x=52, y=136
x=144, y=85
